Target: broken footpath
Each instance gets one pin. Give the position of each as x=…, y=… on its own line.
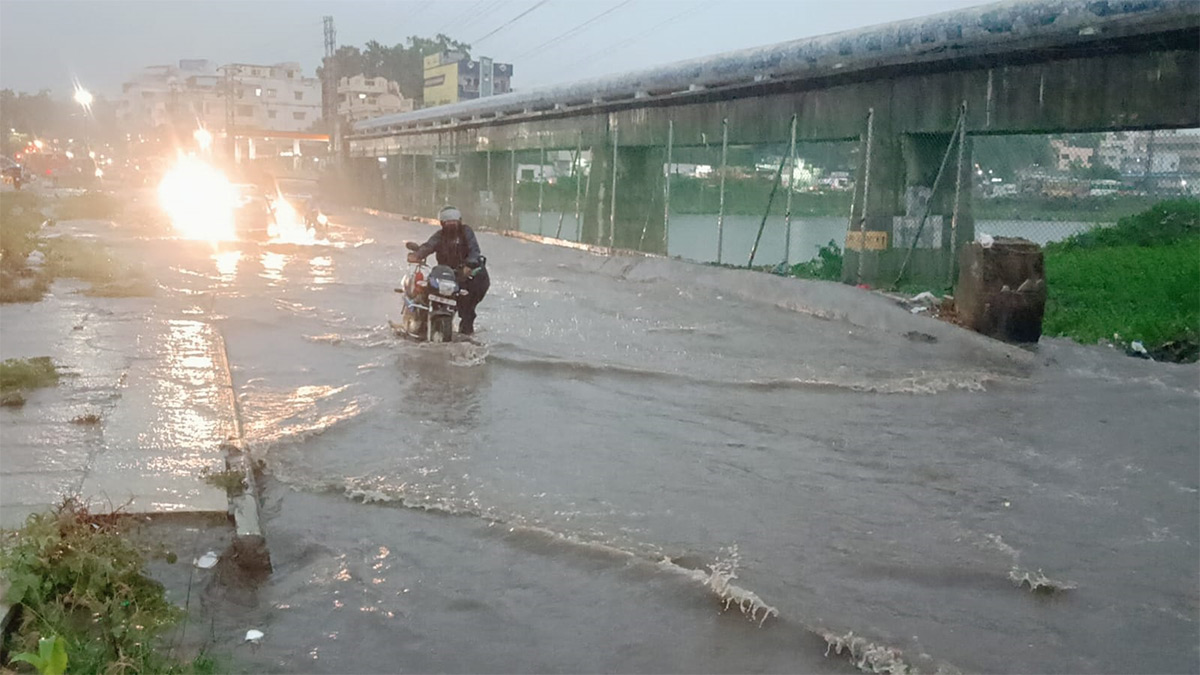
x=144, y=409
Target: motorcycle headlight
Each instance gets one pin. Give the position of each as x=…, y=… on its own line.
x=447, y=287
x=321, y=219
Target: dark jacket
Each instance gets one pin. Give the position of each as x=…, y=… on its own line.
x=456, y=250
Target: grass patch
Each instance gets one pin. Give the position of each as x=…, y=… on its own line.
x=20, y=219
x=1138, y=281
x=230, y=480
x=1147, y=294
x=89, y=206
x=827, y=265
x=25, y=374
x=76, y=259
x=80, y=578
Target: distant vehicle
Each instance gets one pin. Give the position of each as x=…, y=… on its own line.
x=14, y=173
x=253, y=213
x=1102, y=188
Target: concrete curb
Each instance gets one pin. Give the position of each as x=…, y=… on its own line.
x=514, y=234
x=249, y=543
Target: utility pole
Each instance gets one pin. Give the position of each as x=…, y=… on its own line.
x=230, y=119
x=331, y=87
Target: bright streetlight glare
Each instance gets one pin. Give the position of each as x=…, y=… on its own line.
x=84, y=97
x=204, y=138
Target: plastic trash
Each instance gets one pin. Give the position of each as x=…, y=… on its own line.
x=1138, y=347
x=207, y=561
x=253, y=635
x=985, y=240
x=925, y=297
x=918, y=310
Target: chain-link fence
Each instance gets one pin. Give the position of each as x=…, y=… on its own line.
x=783, y=203
x=1046, y=188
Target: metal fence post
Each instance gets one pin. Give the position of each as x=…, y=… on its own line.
x=587, y=193
x=512, y=193
x=575, y=172
x=721, y=200
x=866, y=204
x=962, y=137
x=787, y=210
x=541, y=173
x=667, y=190
x=612, y=209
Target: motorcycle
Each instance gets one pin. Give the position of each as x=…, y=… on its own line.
x=315, y=220
x=430, y=301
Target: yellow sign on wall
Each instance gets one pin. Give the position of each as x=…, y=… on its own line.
x=441, y=83
x=876, y=241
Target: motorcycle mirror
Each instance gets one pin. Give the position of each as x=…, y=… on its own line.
x=411, y=245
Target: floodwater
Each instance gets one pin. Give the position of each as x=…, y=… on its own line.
x=694, y=236
x=650, y=466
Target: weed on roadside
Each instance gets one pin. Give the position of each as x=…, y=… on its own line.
x=80, y=577
x=25, y=374
x=89, y=205
x=230, y=480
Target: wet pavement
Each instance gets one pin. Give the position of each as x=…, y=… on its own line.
x=650, y=466
x=139, y=413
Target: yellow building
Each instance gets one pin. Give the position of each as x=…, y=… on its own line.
x=441, y=78
x=451, y=77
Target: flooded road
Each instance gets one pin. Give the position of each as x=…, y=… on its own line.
x=649, y=466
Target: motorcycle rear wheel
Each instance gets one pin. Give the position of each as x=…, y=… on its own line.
x=443, y=329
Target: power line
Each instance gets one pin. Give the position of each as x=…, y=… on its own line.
x=483, y=13
x=614, y=48
x=470, y=10
x=509, y=22
x=576, y=29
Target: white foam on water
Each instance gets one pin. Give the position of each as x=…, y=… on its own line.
x=872, y=657
x=1037, y=582
x=719, y=580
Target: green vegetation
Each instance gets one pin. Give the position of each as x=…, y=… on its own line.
x=89, y=205
x=1138, y=280
x=26, y=374
x=1100, y=209
x=21, y=219
x=87, y=601
x=827, y=265
x=230, y=480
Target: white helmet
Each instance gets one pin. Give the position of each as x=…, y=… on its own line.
x=449, y=213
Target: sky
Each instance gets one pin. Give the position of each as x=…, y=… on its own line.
x=49, y=44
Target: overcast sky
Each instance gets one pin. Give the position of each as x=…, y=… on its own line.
x=47, y=43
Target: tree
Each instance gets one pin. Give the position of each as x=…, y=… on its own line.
x=1097, y=171
x=402, y=63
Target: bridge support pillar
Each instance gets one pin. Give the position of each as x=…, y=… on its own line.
x=639, y=199
x=898, y=188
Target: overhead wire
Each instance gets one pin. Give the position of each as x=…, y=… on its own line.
x=615, y=47
x=483, y=13
x=573, y=31
x=508, y=23
x=458, y=18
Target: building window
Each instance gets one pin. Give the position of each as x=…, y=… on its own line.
x=270, y=93
x=299, y=116
x=271, y=114
x=299, y=95
x=245, y=111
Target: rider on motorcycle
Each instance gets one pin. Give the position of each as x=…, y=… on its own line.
x=456, y=246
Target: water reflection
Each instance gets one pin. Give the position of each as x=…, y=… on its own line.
x=185, y=401
x=273, y=264
x=438, y=390
x=227, y=264
x=322, y=269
